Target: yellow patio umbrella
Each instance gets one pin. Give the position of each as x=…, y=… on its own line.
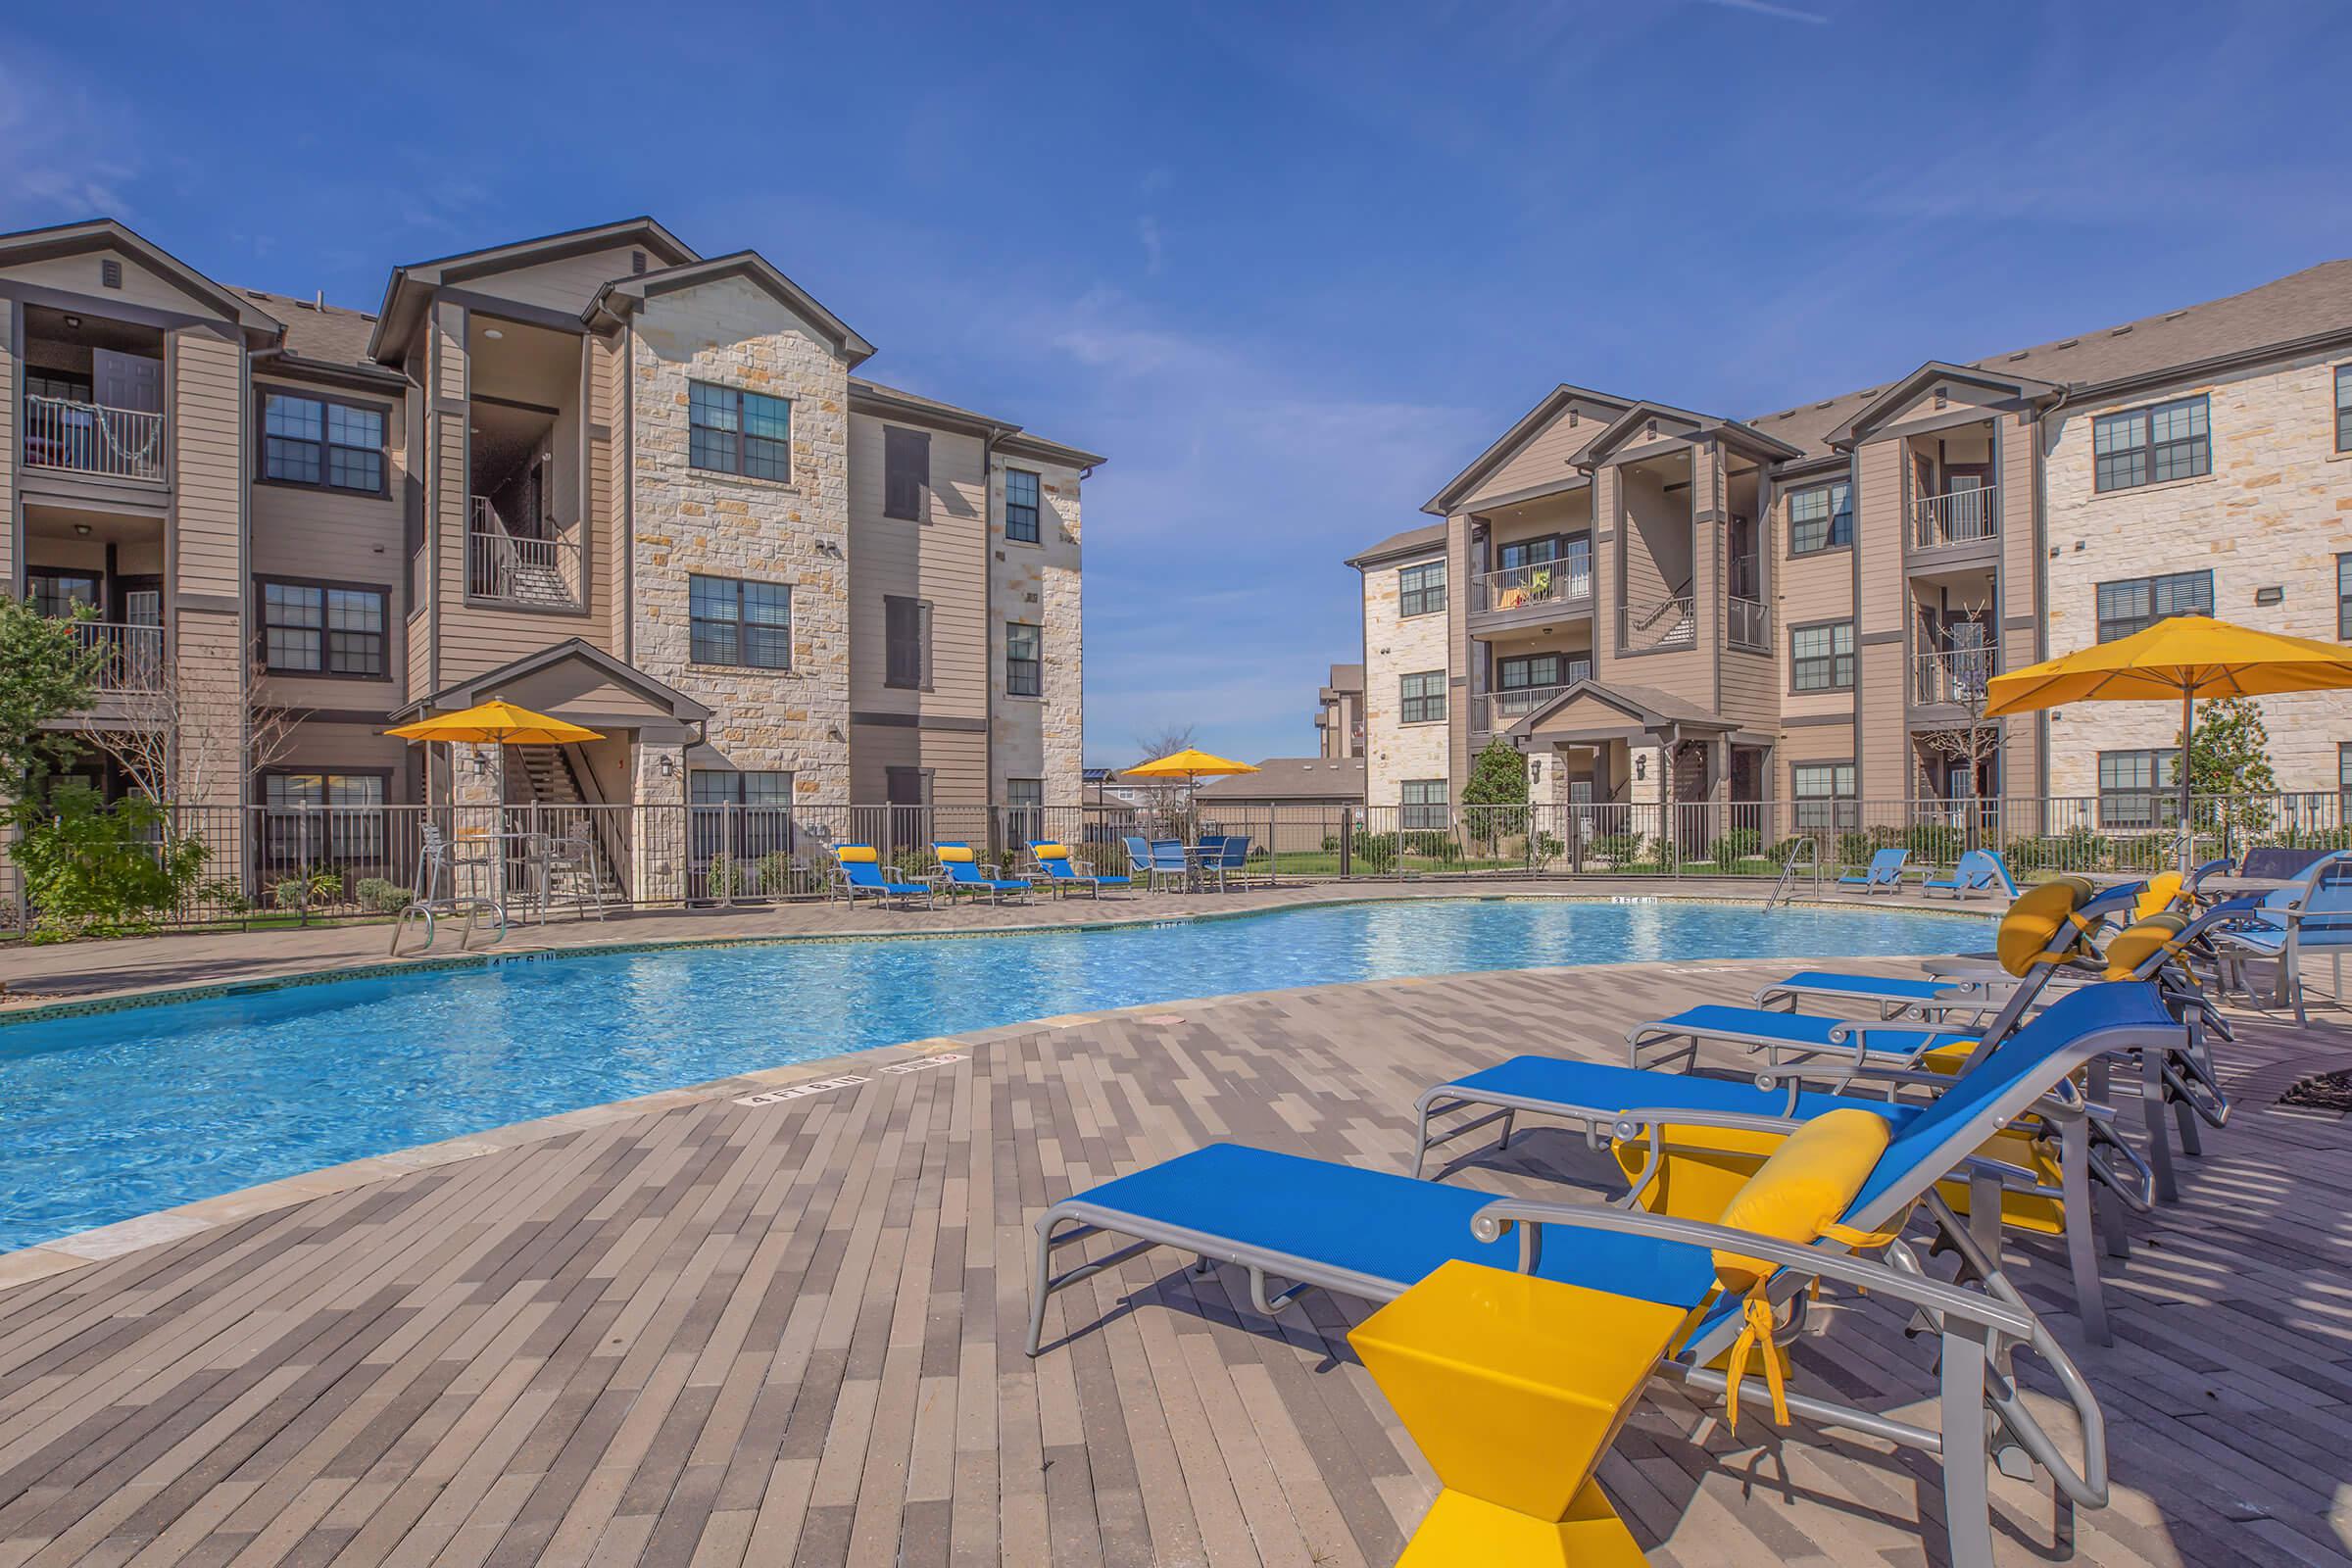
x=2182, y=657
x=1189, y=763
x=496, y=723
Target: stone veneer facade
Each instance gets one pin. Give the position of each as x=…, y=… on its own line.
x=1397, y=646
x=2274, y=512
x=1038, y=737
x=690, y=521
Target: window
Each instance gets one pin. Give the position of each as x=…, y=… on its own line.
x=906, y=638
x=906, y=786
x=1020, y=505
x=761, y=827
x=339, y=446
x=351, y=833
x=2151, y=445
x=1026, y=820
x=1523, y=670
x=1422, y=697
x=905, y=473
x=1824, y=792
x=2135, y=787
x=2343, y=598
x=55, y=384
x=1821, y=518
x=718, y=786
x=60, y=595
x=1024, y=654
x=2135, y=603
x=1529, y=552
x=1421, y=590
x=740, y=623
x=2343, y=778
x=2343, y=407
x=1821, y=659
x=313, y=628
x=1424, y=805
x=729, y=430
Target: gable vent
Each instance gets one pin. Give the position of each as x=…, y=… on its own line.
x=109, y=273
x=636, y=261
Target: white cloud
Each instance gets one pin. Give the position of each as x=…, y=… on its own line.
x=70, y=155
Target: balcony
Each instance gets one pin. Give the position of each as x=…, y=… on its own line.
x=1493, y=712
x=129, y=659
x=1545, y=585
x=1657, y=625
x=505, y=567
x=1953, y=677
x=1957, y=517
x=1748, y=624
x=89, y=438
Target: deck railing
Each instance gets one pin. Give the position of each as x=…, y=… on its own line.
x=1747, y=623
x=1567, y=581
x=1957, y=517
x=503, y=566
x=1503, y=707
x=87, y=438
x=1657, y=624
x=129, y=659
x=1954, y=675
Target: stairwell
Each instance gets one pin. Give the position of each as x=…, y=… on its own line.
x=544, y=777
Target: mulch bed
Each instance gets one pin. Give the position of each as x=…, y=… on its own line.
x=2326, y=1090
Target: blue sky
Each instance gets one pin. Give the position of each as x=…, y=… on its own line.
x=1290, y=274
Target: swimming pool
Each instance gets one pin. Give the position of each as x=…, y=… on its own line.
x=120, y=1114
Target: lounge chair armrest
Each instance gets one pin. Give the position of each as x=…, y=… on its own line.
x=1491, y=1222
x=1628, y=1125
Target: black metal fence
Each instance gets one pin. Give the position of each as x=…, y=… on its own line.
x=269, y=864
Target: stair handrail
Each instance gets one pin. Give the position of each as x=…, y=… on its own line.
x=1802, y=847
x=592, y=793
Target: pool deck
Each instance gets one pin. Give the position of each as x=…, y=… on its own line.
x=710, y=1334
x=121, y=967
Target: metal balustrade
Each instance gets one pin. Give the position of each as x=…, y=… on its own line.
x=1955, y=676
x=1957, y=517
x=503, y=566
x=1567, y=581
x=128, y=659
x=89, y=438
x=1659, y=623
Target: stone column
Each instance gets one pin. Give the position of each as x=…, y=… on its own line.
x=477, y=798
x=660, y=840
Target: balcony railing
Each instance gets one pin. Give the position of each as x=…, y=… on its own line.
x=1544, y=582
x=505, y=567
x=129, y=658
x=1496, y=710
x=1960, y=518
x=1659, y=623
x=85, y=438
x=1748, y=624
x=1955, y=676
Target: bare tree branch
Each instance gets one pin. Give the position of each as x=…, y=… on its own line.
x=1963, y=679
x=176, y=736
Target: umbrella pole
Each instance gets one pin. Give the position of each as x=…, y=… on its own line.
x=2189, y=732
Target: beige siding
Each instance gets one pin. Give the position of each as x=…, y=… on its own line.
x=80, y=274
x=958, y=760
x=1542, y=458
x=1809, y=743
x=566, y=285
x=207, y=448
x=207, y=654
x=328, y=747
x=602, y=531
x=1751, y=688
x=1608, y=534
x=1959, y=398
x=942, y=558
x=1881, y=614
x=8, y=447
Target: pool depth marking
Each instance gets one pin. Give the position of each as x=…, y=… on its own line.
x=826, y=1086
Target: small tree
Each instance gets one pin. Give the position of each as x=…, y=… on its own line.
x=1497, y=784
x=178, y=734
x=1963, y=679
x=46, y=671
x=2229, y=777
x=94, y=871
x=1169, y=797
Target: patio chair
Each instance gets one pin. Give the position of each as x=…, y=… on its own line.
x=1161, y=861
x=1231, y=862
x=1063, y=873
x=2279, y=861
x=963, y=874
x=1979, y=871
x=1372, y=1235
x=1885, y=874
x=857, y=872
x=2313, y=916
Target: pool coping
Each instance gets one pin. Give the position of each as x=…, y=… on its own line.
x=166, y=996
x=101, y=1243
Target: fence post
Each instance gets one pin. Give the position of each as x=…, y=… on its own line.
x=1347, y=841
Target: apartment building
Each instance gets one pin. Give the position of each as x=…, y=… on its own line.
x=1340, y=713
x=597, y=473
x=1658, y=603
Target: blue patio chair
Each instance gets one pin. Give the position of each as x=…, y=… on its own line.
x=2313, y=916
x=1231, y=861
x=1062, y=874
x=1885, y=874
x=1372, y=1236
x=858, y=868
x=2277, y=860
x=1165, y=860
x=1979, y=871
x=962, y=863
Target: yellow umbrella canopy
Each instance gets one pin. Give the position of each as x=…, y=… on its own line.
x=2178, y=659
x=496, y=723
x=1191, y=762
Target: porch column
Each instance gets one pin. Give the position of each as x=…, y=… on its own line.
x=478, y=796
x=660, y=832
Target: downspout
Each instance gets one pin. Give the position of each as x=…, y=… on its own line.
x=987, y=622
x=626, y=542
x=2041, y=591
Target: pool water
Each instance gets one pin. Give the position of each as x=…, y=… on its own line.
x=121, y=1113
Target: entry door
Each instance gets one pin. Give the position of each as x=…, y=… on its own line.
x=127, y=381
x=139, y=605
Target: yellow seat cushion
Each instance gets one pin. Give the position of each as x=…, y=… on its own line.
x=2162, y=890
x=958, y=854
x=2134, y=946
x=1800, y=1192
x=2038, y=921
x=1050, y=852
x=856, y=854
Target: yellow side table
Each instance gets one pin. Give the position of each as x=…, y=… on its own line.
x=1514, y=1387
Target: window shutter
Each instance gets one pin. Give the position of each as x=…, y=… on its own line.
x=905, y=473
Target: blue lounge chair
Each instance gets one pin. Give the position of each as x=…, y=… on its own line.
x=1371, y=1235
x=1885, y=873
x=1979, y=871
x=2313, y=916
x=962, y=863
x=857, y=872
x=1061, y=873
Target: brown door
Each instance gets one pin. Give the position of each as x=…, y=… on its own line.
x=126, y=381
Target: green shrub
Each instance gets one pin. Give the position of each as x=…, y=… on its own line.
x=1937, y=842
x=1740, y=844
x=92, y=870
x=774, y=871
x=1855, y=848
x=222, y=895
x=376, y=896
x=1619, y=848
x=1543, y=849
x=1779, y=851
x=1373, y=854
x=1431, y=844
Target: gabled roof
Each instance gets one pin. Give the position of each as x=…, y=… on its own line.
x=481, y=688
x=1292, y=778
x=1645, y=706
x=107, y=234
x=1413, y=541
x=873, y=397
x=1637, y=417
x=408, y=285
x=1536, y=419
x=625, y=294
x=1935, y=371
